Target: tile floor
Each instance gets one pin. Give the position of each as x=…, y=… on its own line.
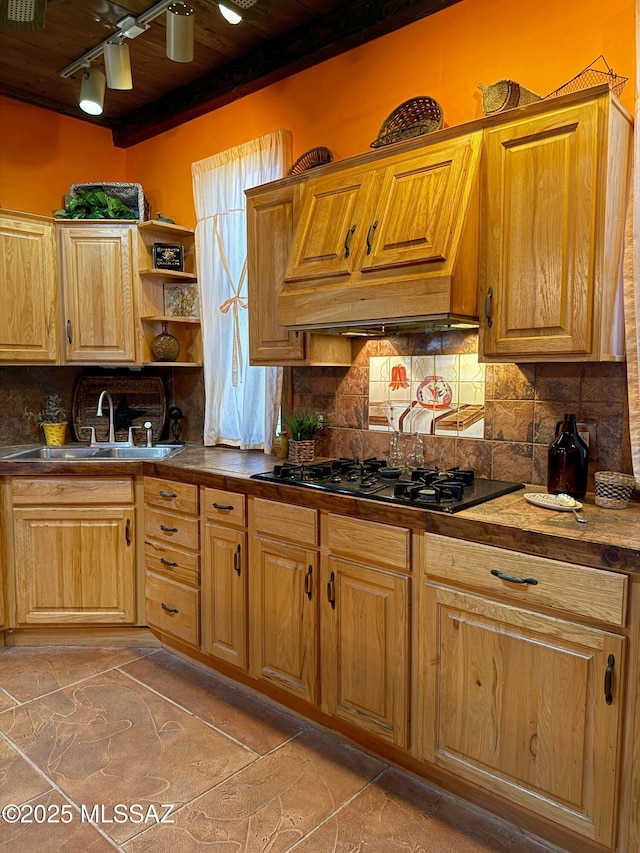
x=96, y=745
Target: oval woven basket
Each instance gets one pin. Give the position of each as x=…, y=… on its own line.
x=310, y=159
x=414, y=117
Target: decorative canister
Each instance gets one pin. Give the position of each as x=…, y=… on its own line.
x=281, y=445
x=568, y=461
x=164, y=346
x=54, y=434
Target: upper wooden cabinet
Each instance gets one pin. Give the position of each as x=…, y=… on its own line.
x=555, y=189
x=392, y=238
x=97, y=267
x=270, y=221
x=29, y=319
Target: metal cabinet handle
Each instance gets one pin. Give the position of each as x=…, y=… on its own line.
x=168, y=563
x=511, y=579
x=165, y=494
x=69, y=338
x=307, y=582
x=168, y=529
x=608, y=679
x=127, y=532
x=169, y=609
x=236, y=561
x=487, y=307
x=223, y=507
x=331, y=590
x=372, y=228
x=347, y=241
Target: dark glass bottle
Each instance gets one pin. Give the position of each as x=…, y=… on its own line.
x=568, y=461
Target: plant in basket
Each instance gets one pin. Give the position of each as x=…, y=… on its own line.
x=303, y=425
x=53, y=419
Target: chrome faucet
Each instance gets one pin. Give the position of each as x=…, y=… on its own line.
x=112, y=432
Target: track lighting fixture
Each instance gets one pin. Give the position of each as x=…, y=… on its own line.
x=237, y=10
x=180, y=32
x=229, y=15
x=92, y=91
x=118, y=65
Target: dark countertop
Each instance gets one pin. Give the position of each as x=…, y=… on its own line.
x=610, y=539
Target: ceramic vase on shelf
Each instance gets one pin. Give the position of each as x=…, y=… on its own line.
x=164, y=347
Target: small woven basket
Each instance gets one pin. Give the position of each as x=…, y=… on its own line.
x=310, y=159
x=301, y=451
x=613, y=490
x=505, y=95
x=414, y=117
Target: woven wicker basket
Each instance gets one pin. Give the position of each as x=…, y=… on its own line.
x=301, y=451
x=505, y=95
x=143, y=393
x=310, y=159
x=613, y=490
x=414, y=117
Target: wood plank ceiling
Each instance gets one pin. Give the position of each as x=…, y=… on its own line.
x=229, y=61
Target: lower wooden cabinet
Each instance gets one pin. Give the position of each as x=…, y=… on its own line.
x=283, y=597
x=524, y=704
x=74, y=551
x=224, y=577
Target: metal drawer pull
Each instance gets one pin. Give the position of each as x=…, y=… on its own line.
x=224, y=507
x=331, y=591
x=236, y=561
x=168, y=529
x=168, y=563
x=370, y=236
x=608, y=679
x=498, y=574
x=127, y=532
x=169, y=609
x=307, y=582
x=487, y=307
x=167, y=494
x=347, y=241
x=69, y=338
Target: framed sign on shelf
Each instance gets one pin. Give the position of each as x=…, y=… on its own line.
x=168, y=256
x=181, y=301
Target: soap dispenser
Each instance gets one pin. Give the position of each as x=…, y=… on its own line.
x=568, y=461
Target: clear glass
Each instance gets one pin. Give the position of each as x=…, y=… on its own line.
x=396, y=456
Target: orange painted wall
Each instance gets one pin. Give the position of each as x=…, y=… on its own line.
x=340, y=103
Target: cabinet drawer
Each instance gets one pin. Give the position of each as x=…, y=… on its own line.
x=580, y=590
x=176, y=529
x=166, y=560
x=297, y=524
x=369, y=541
x=223, y=506
x=173, y=496
x=71, y=490
x=173, y=608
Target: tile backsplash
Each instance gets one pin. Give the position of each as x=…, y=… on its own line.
x=521, y=404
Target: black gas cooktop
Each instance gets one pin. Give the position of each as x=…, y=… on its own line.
x=447, y=490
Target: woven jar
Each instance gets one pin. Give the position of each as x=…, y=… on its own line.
x=613, y=489
x=302, y=451
x=54, y=434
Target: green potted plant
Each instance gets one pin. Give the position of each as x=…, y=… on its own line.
x=93, y=203
x=303, y=425
x=53, y=419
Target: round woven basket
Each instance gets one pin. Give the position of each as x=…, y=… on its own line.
x=414, y=117
x=310, y=159
x=613, y=490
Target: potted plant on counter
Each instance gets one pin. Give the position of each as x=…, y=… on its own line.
x=53, y=419
x=304, y=426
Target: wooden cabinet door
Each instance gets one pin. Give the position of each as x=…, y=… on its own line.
x=74, y=565
x=514, y=701
x=365, y=648
x=418, y=207
x=97, y=269
x=224, y=594
x=29, y=316
x=541, y=195
x=284, y=621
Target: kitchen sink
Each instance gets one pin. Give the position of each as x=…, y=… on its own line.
x=82, y=453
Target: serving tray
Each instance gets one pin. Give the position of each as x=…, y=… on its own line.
x=549, y=501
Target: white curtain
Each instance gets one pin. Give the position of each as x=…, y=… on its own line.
x=241, y=401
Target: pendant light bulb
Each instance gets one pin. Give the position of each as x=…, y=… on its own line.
x=92, y=91
x=229, y=15
x=180, y=32
x=117, y=64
